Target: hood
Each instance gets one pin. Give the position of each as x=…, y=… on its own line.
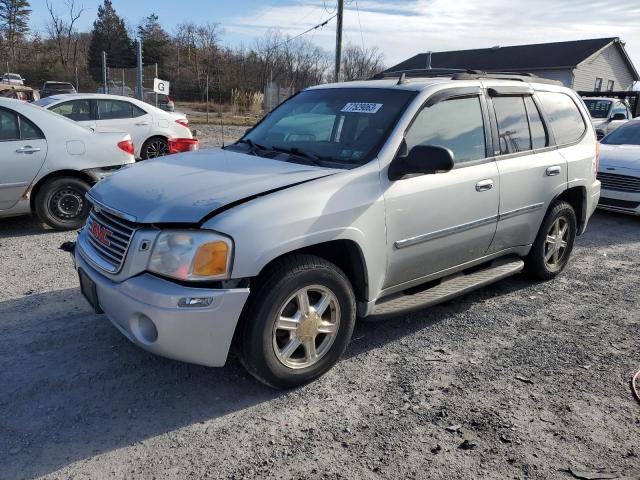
x=184, y=188
x=619, y=156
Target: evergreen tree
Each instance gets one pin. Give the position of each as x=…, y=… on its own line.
x=155, y=42
x=109, y=34
x=14, y=23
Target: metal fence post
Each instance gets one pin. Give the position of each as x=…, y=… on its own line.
x=122, y=88
x=140, y=93
x=156, y=92
x=104, y=72
x=206, y=96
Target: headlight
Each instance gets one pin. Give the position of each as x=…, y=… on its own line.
x=191, y=255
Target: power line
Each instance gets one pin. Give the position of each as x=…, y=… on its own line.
x=360, y=24
x=320, y=25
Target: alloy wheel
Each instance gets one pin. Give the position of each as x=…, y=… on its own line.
x=157, y=148
x=555, y=245
x=306, y=327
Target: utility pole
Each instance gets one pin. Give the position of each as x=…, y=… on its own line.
x=336, y=76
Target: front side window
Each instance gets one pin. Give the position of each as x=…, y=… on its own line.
x=333, y=126
x=564, y=116
x=456, y=124
x=114, y=109
x=513, y=125
x=9, y=129
x=620, y=108
x=77, y=110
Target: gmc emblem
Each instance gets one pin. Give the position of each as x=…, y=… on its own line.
x=100, y=233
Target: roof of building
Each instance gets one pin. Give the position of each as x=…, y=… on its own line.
x=517, y=58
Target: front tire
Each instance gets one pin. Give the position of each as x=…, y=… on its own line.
x=554, y=243
x=61, y=203
x=299, y=321
x=154, y=147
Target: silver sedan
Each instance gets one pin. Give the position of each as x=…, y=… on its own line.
x=619, y=169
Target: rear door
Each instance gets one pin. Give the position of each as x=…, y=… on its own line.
x=23, y=150
x=125, y=116
x=532, y=171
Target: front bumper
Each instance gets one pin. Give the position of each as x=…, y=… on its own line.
x=616, y=201
x=145, y=309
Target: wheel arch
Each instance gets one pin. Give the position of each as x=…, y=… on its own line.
x=577, y=198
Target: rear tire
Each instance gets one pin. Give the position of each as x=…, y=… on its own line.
x=61, y=203
x=550, y=252
x=154, y=147
x=287, y=341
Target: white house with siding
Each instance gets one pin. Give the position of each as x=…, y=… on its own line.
x=600, y=64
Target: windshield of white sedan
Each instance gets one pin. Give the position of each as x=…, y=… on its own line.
x=332, y=127
x=598, y=108
x=628, y=134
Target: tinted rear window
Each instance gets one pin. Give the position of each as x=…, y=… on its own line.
x=513, y=126
x=598, y=108
x=566, y=121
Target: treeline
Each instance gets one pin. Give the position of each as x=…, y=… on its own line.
x=186, y=57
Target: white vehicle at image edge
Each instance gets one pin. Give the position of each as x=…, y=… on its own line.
x=149, y=127
x=359, y=199
x=607, y=114
x=48, y=163
x=619, y=169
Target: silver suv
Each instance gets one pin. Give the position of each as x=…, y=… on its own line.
x=360, y=199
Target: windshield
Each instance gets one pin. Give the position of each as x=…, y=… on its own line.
x=628, y=134
x=332, y=127
x=598, y=108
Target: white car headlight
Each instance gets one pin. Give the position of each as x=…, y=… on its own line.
x=191, y=255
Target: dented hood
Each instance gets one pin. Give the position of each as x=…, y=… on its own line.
x=185, y=188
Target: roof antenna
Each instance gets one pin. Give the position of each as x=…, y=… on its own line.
x=402, y=80
x=429, y=60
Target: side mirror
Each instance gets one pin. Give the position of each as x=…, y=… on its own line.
x=422, y=159
x=619, y=116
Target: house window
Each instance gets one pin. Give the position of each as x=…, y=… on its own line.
x=610, y=86
x=598, y=84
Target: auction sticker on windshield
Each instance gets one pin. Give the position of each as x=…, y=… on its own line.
x=357, y=107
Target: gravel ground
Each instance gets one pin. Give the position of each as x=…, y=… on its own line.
x=517, y=380
x=211, y=135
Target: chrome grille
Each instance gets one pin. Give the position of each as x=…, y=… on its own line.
x=621, y=183
x=110, y=237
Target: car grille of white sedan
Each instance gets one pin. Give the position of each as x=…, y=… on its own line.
x=621, y=183
x=110, y=237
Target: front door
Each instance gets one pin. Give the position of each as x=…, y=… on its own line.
x=23, y=150
x=442, y=220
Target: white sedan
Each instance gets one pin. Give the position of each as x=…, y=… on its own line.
x=48, y=163
x=149, y=127
x=619, y=169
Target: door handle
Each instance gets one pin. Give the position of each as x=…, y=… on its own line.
x=28, y=149
x=552, y=171
x=484, y=185
x=143, y=124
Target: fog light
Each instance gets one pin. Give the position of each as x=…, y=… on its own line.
x=195, y=301
x=144, y=329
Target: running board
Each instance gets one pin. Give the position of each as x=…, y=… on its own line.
x=448, y=288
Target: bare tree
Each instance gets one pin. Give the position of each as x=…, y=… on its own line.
x=62, y=31
x=359, y=63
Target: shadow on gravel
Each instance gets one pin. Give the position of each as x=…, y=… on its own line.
x=603, y=224
x=72, y=387
x=21, y=226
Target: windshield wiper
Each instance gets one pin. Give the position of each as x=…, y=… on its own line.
x=314, y=159
x=253, y=146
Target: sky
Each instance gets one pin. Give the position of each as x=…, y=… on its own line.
x=400, y=28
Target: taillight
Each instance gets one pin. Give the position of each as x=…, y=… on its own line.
x=126, y=146
x=183, y=121
x=179, y=145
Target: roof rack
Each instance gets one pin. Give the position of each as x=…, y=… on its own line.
x=462, y=74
